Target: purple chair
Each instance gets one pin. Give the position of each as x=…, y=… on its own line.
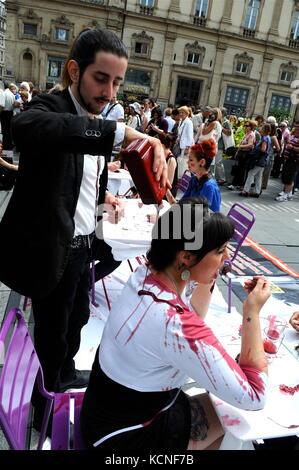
x=183, y=182
x=243, y=219
x=21, y=368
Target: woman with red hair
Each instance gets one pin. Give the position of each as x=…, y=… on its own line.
x=202, y=182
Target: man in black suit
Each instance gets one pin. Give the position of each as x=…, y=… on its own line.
x=50, y=220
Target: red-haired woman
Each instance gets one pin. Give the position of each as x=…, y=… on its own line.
x=202, y=182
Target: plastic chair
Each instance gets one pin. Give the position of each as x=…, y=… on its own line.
x=243, y=219
x=183, y=182
x=21, y=368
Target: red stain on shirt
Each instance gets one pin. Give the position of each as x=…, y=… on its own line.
x=228, y=421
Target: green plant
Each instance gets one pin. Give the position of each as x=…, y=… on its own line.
x=280, y=114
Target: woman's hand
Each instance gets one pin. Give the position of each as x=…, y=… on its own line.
x=258, y=293
x=294, y=321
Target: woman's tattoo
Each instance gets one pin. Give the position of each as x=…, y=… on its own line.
x=199, y=422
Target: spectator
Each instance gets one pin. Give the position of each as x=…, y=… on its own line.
x=171, y=122
x=158, y=339
x=134, y=119
x=184, y=139
x=255, y=174
x=290, y=166
x=247, y=143
x=157, y=124
x=294, y=321
x=147, y=109
x=114, y=111
x=273, y=150
x=167, y=140
x=7, y=109
x=25, y=87
x=226, y=140
x=197, y=120
x=202, y=182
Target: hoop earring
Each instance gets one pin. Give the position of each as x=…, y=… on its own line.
x=185, y=275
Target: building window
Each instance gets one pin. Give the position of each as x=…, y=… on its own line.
x=141, y=48
x=138, y=77
x=2, y=41
x=252, y=14
x=147, y=7
x=286, y=76
x=55, y=66
x=193, y=58
x=242, y=68
x=141, y=45
x=62, y=34
x=200, y=12
x=30, y=29
x=280, y=102
x=236, y=100
x=295, y=26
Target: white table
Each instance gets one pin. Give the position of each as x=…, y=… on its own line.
x=119, y=181
x=132, y=236
x=281, y=410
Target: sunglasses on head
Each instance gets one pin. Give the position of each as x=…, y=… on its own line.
x=246, y=125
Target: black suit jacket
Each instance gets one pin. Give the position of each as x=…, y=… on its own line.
x=38, y=225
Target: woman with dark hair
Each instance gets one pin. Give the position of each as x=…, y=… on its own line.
x=167, y=142
x=157, y=124
x=202, y=182
x=157, y=339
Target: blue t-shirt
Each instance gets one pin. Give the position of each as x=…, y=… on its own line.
x=207, y=188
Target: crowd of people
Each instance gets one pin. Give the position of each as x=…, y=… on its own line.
x=158, y=338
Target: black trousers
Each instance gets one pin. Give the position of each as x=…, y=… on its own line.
x=102, y=252
x=59, y=318
x=5, y=119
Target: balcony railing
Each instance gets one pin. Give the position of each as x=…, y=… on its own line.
x=146, y=10
x=248, y=33
x=294, y=43
x=199, y=21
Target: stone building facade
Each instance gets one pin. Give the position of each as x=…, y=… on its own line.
x=242, y=54
x=2, y=37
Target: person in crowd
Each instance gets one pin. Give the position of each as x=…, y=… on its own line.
x=134, y=119
x=176, y=117
x=226, y=140
x=126, y=112
x=25, y=87
x=169, y=119
x=290, y=166
x=7, y=108
x=257, y=133
x=144, y=120
x=202, y=182
x=147, y=109
x=294, y=321
x=56, y=87
x=157, y=124
x=38, y=91
x=184, y=140
x=197, y=120
x=208, y=129
x=66, y=168
x=255, y=174
x=167, y=141
x=260, y=121
x=159, y=339
x=274, y=149
x=247, y=143
x=283, y=138
x=205, y=111
x=114, y=111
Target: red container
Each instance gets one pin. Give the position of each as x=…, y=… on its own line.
x=139, y=158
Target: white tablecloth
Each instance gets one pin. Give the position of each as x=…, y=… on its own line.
x=119, y=182
x=132, y=236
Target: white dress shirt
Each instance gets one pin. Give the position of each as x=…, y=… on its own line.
x=85, y=215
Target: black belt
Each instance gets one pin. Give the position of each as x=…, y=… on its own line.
x=82, y=241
